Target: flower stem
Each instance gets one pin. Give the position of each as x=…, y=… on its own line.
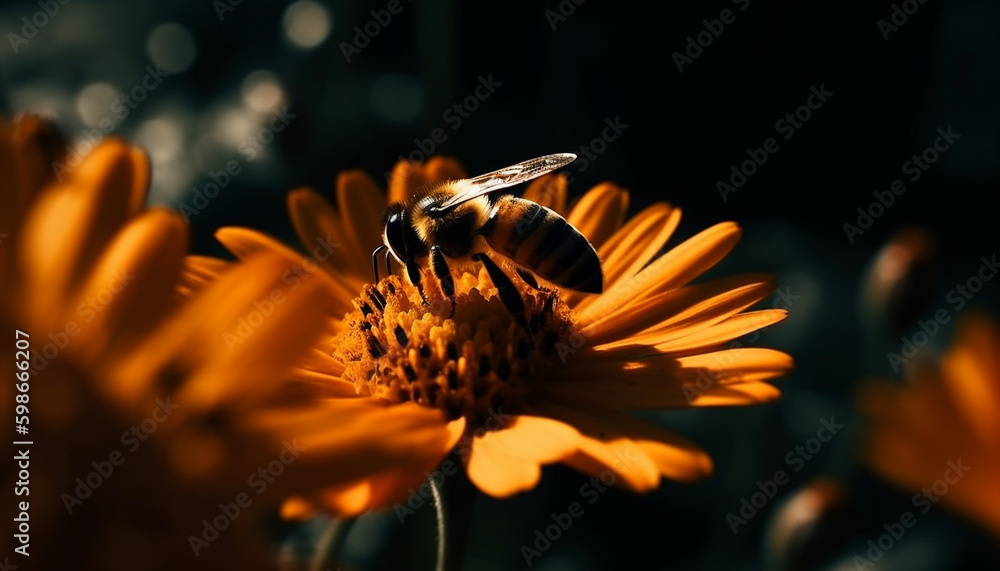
x=442, y=529
x=330, y=543
x=453, y=500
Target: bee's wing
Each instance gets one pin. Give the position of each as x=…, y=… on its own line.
x=484, y=184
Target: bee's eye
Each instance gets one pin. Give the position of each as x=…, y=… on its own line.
x=394, y=230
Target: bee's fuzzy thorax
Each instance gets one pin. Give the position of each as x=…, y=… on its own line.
x=456, y=231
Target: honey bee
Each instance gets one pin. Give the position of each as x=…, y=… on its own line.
x=456, y=219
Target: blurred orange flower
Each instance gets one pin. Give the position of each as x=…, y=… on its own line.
x=142, y=416
x=943, y=424
x=422, y=382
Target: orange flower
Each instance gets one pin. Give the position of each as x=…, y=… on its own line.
x=944, y=425
x=141, y=414
x=421, y=382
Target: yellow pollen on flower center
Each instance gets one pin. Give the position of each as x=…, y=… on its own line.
x=399, y=349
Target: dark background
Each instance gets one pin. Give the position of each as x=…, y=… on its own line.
x=560, y=81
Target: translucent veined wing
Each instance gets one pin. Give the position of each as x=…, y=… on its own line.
x=470, y=188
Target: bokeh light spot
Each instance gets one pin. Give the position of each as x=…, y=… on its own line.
x=306, y=24
x=93, y=103
x=262, y=91
x=172, y=47
x=163, y=139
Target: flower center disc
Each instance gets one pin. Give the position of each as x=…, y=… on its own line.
x=401, y=349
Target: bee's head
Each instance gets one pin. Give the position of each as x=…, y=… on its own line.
x=394, y=228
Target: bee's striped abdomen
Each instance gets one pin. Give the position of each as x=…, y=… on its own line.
x=542, y=241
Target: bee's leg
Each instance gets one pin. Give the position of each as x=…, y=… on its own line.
x=375, y=347
x=372, y=318
x=529, y=279
x=377, y=298
x=388, y=271
x=443, y=274
x=375, y=260
x=508, y=292
x=413, y=273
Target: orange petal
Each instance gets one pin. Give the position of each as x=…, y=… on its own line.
x=670, y=271
x=297, y=508
x=739, y=394
x=677, y=463
x=320, y=360
x=408, y=177
x=405, y=178
x=727, y=330
x=921, y=413
x=603, y=458
x=372, y=492
x=318, y=224
x=244, y=368
x=672, y=455
x=381, y=490
x=28, y=147
x=550, y=191
x=507, y=461
x=738, y=361
x=233, y=340
x=245, y=242
x=70, y=225
x=600, y=212
x=140, y=181
x=632, y=247
x=439, y=169
x=681, y=311
x=361, y=204
x=973, y=383
x=607, y=372
x=199, y=271
x=131, y=286
x=653, y=389
x=332, y=385
x=347, y=441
